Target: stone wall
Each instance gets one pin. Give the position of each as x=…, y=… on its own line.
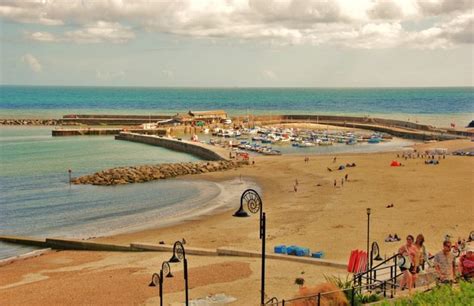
x=177, y=145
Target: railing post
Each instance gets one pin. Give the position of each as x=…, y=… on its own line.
x=353, y=296
x=283, y=302
x=395, y=276
x=360, y=283
x=319, y=298
x=391, y=281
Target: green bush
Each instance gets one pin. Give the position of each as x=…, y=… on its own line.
x=346, y=285
x=441, y=295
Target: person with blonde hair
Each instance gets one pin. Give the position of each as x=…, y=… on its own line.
x=408, y=251
x=419, y=258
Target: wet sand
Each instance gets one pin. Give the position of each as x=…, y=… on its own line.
x=433, y=200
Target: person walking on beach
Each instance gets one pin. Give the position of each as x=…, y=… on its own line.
x=296, y=182
x=335, y=183
x=334, y=159
x=342, y=182
x=346, y=176
x=408, y=251
x=295, y=188
x=444, y=264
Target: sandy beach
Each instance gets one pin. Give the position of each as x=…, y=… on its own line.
x=428, y=199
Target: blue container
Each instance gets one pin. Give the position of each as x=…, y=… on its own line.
x=319, y=254
x=280, y=249
x=301, y=251
x=291, y=250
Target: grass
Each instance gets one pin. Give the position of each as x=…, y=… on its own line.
x=440, y=295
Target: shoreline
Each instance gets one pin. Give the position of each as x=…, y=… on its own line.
x=179, y=213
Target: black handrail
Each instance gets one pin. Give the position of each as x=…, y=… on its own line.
x=372, y=282
x=272, y=301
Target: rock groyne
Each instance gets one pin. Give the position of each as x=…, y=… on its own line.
x=30, y=121
x=146, y=173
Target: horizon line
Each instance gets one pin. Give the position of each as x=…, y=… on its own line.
x=238, y=87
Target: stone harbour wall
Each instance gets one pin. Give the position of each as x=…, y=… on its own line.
x=195, y=149
x=146, y=173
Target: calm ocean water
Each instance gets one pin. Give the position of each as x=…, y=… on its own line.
x=438, y=106
x=36, y=199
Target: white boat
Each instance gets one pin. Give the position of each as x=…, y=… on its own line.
x=306, y=144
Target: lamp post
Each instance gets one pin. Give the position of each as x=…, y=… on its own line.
x=368, y=229
x=178, y=255
x=158, y=278
x=255, y=205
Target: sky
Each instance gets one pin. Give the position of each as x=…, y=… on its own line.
x=237, y=43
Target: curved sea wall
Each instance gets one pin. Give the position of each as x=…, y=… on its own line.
x=146, y=173
x=397, y=128
x=197, y=149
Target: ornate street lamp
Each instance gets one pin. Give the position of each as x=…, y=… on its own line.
x=178, y=255
x=158, y=278
x=254, y=204
x=375, y=253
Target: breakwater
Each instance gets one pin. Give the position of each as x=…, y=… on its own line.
x=104, y=131
x=146, y=173
x=399, y=128
x=31, y=122
x=200, y=150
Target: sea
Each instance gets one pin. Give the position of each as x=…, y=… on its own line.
x=37, y=200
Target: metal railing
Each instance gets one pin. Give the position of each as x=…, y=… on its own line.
x=373, y=283
x=316, y=299
x=383, y=274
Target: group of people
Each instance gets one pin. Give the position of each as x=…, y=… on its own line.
x=444, y=262
x=415, y=155
x=344, y=179
x=414, y=255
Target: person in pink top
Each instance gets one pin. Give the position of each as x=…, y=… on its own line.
x=408, y=251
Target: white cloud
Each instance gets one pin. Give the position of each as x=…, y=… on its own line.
x=167, y=73
x=32, y=62
x=109, y=76
x=350, y=23
x=42, y=36
x=98, y=32
x=460, y=30
x=439, y=7
x=269, y=74
x=101, y=31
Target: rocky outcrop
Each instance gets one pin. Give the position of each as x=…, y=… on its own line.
x=146, y=173
x=30, y=121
